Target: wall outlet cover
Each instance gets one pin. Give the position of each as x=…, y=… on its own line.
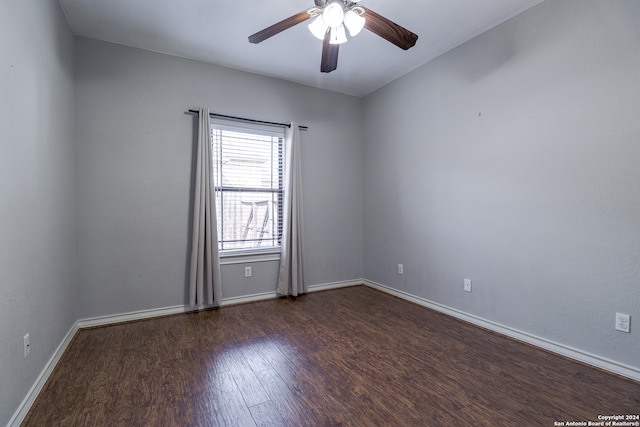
x=623, y=322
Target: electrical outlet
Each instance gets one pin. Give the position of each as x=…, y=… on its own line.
x=400, y=269
x=27, y=346
x=247, y=272
x=467, y=285
x=623, y=322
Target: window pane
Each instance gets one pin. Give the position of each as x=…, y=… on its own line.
x=247, y=219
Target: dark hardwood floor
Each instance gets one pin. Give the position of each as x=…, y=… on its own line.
x=347, y=357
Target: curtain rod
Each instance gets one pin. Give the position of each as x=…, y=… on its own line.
x=242, y=119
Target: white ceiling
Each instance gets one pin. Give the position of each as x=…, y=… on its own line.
x=216, y=31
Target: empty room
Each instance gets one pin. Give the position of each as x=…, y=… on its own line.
x=320, y=213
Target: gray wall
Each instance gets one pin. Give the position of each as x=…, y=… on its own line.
x=135, y=146
x=38, y=251
x=514, y=160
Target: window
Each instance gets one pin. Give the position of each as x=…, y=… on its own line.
x=248, y=162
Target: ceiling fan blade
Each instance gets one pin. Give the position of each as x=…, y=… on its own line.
x=329, y=60
x=389, y=30
x=279, y=27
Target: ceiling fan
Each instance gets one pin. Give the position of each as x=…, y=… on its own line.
x=331, y=18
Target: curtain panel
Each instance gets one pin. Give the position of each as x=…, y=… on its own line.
x=204, y=272
x=291, y=279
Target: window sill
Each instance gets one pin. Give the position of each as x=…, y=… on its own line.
x=244, y=257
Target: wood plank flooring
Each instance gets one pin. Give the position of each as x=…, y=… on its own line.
x=347, y=357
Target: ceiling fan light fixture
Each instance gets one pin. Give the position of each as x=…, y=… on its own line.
x=333, y=14
x=318, y=28
x=338, y=35
x=354, y=22
x=328, y=20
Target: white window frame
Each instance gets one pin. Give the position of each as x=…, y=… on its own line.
x=236, y=255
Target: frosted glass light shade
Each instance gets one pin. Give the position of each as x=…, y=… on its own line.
x=318, y=28
x=353, y=22
x=333, y=14
x=338, y=35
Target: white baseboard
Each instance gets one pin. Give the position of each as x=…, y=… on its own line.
x=335, y=285
x=248, y=298
x=27, y=402
x=271, y=295
x=166, y=311
x=128, y=317
x=176, y=309
x=554, y=347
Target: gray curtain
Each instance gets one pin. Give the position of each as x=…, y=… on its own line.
x=291, y=280
x=204, y=274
